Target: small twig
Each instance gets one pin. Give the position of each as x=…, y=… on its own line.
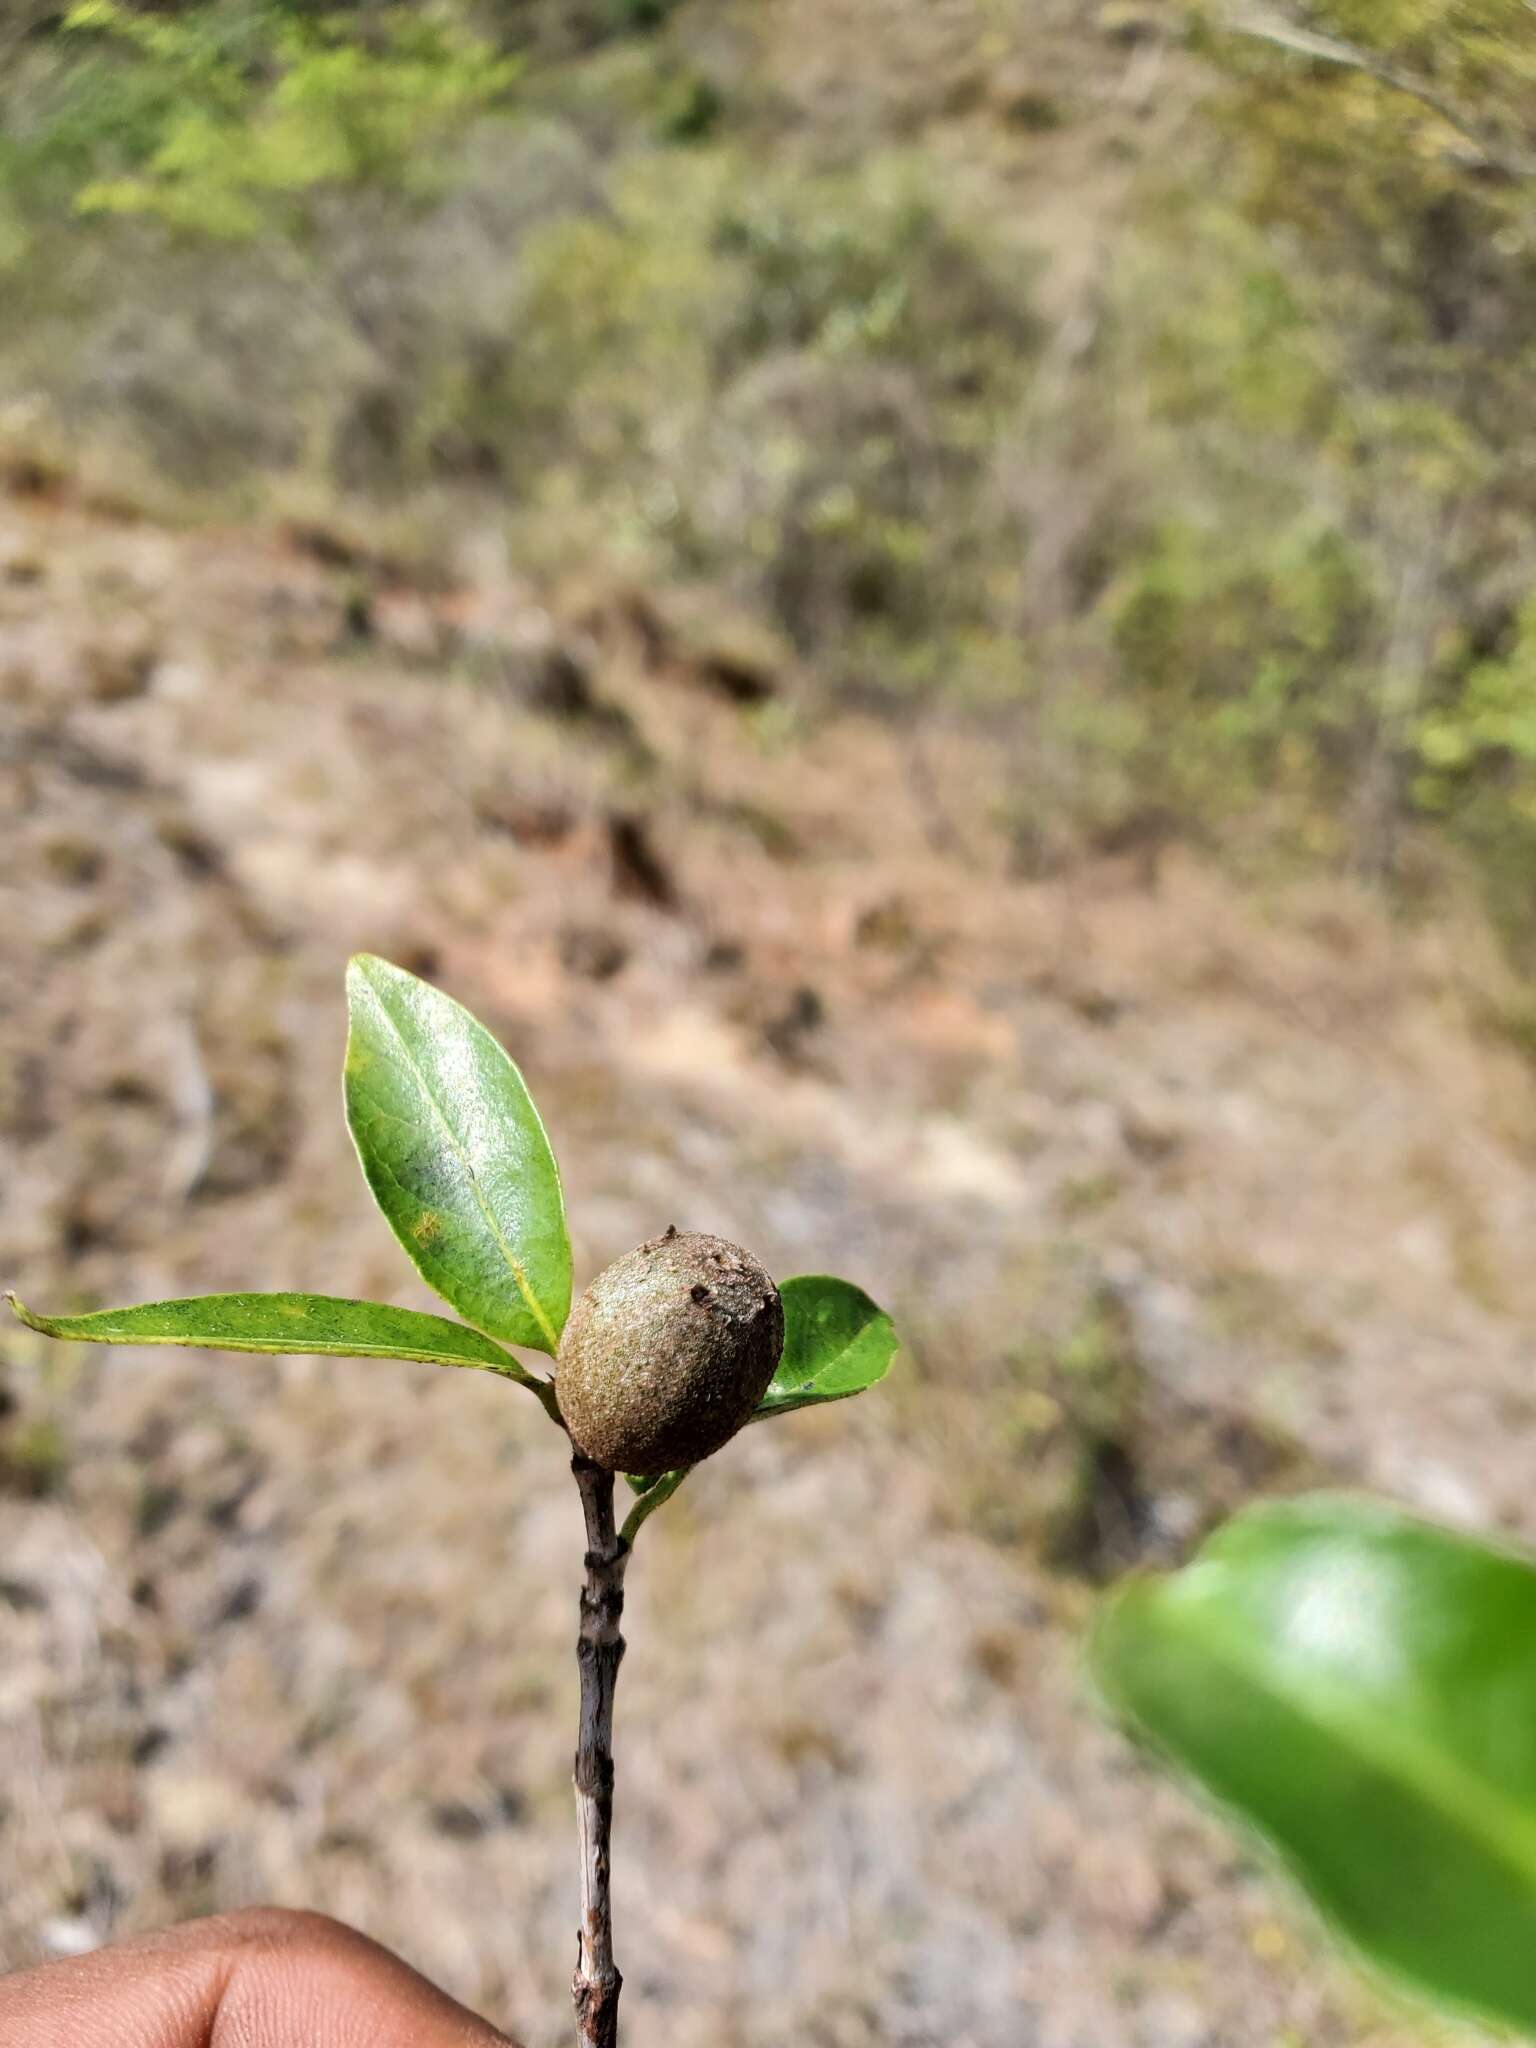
x=193, y=1097
x=1267, y=27
x=596, y=1985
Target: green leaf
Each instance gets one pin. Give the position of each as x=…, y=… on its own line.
x=837, y=1342
x=1360, y=1687
x=288, y=1323
x=456, y=1156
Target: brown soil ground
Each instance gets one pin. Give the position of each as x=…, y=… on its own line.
x=1178, y=1196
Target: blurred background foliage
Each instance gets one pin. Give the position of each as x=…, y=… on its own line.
x=1231, y=537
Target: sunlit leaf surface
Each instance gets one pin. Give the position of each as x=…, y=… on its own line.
x=1360, y=1687
x=456, y=1156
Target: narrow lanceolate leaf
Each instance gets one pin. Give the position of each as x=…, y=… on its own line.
x=456, y=1156
x=288, y=1323
x=836, y=1343
x=1360, y=1687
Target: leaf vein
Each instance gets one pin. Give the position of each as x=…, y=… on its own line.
x=515, y=1266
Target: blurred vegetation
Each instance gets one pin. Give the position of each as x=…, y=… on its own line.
x=1234, y=540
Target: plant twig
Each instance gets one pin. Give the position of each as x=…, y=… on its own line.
x=1268, y=27
x=599, y=1649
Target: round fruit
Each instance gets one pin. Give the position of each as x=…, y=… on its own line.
x=668, y=1352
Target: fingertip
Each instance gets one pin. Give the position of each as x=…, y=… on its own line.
x=263, y=1974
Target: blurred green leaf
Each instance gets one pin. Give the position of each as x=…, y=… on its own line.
x=288, y=1323
x=1360, y=1687
x=837, y=1342
x=456, y=1156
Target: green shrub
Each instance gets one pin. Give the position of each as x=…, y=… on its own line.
x=240, y=116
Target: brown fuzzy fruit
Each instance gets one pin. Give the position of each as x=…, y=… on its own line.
x=668, y=1352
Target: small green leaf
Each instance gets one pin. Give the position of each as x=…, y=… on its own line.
x=837, y=1342
x=313, y=1324
x=1360, y=1687
x=456, y=1156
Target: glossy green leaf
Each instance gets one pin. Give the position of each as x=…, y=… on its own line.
x=1360, y=1687
x=288, y=1323
x=837, y=1342
x=456, y=1156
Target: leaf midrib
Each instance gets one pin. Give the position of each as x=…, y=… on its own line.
x=514, y=1265
x=105, y=1332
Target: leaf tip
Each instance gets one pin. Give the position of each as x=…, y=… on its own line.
x=22, y=1313
x=361, y=967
